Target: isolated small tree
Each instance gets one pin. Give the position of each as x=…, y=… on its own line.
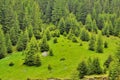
x=99, y=48
x=105, y=44
x=51, y=52
x=8, y=44
x=55, y=40
x=82, y=69
x=92, y=43
x=3, y=51
x=44, y=45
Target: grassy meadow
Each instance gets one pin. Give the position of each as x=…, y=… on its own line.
x=72, y=52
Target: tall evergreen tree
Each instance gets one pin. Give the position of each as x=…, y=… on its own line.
x=62, y=25
x=82, y=69
x=92, y=43
x=3, y=51
x=8, y=44
x=99, y=47
x=96, y=66
x=30, y=52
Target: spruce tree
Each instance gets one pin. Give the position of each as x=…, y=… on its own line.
x=62, y=25
x=99, y=46
x=96, y=66
x=8, y=44
x=44, y=45
x=23, y=40
x=31, y=59
x=92, y=43
x=82, y=69
x=3, y=51
x=84, y=35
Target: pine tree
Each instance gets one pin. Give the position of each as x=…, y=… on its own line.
x=44, y=45
x=48, y=35
x=99, y=47
x=108, y=61
x=37, y=61
x=3, y=51
x=8, y=44
x=92, y=43
x=117, y=28
x=96, y=66
x=88, y=23
x=84, y=35
x=90, y=67
x=62, y=25
x=23, y=40
x=82, y=69
x=31, y=58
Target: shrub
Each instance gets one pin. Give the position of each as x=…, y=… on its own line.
x=11, y=64
x=62, y=59
x=51, y=53
x=55, y=40
x=49, y=67
x=74, y=39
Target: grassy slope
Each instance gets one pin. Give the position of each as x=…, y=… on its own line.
x=72, y=52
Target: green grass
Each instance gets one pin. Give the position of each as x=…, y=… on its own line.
x=72, y=52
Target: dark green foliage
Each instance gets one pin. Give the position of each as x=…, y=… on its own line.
x=61, y=26
x=92, y=43
x=108, y=61
x=48, y=34
x=31, y=58
x=105, y=44
x=99, y=48
x=37, y=61
x=2, y=44
x=82, y=69
x=90, y=68
x=51, y=52
x=96, y=66
x=117, y=28
x=55, y=40
x=44, y=45
x=8, y=44
x=84, y=35
x=23, y=40
x=74, y=39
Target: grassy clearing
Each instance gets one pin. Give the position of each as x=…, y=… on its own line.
x=72, y=52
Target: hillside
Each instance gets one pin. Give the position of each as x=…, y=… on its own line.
x=65, y=39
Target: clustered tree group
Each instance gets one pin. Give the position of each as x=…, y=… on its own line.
x=92, y=67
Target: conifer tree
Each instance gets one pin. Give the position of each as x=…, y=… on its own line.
x=62, y=25
x=3, y=51
x=23, y=40
x=8, y=44
x=84, y=35
x=92, y=43
x=99, y=47
x=31, y=59
x=82, y=69
x=96, y=66
x=44, y=45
